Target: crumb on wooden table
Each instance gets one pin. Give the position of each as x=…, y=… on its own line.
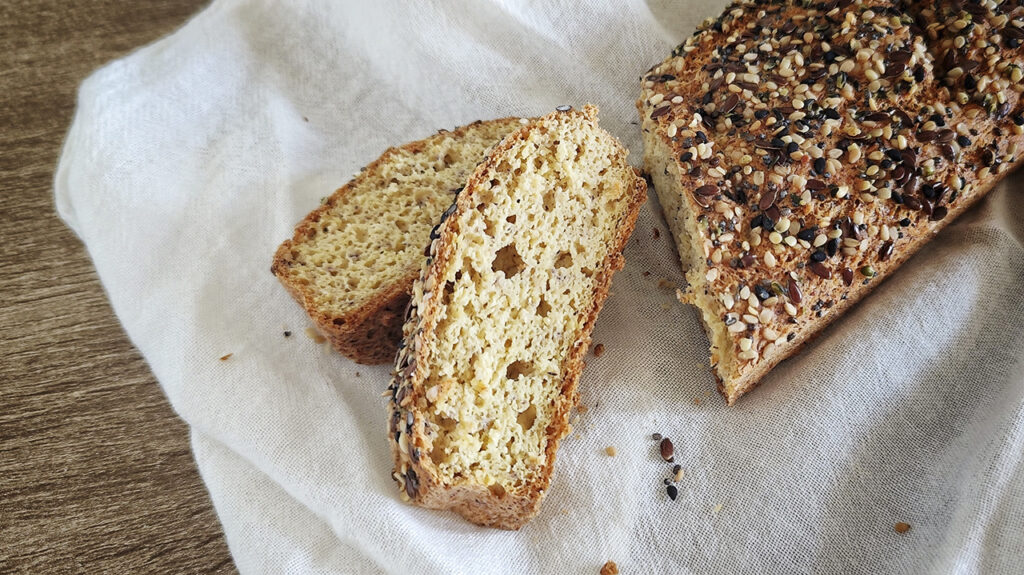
x=610, y=568
x=610, y=450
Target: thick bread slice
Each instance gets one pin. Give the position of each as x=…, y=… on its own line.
x=802, y=152
x=352, y=260
x=500, y=319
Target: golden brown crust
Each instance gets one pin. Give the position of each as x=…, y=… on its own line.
x=914, y=150
x=369, y=333
x=417, y=479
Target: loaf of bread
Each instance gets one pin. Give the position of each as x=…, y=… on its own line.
x=501, y=315
x=352, y=261
x=803, y=150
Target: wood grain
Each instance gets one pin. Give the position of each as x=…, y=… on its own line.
x=96, y=474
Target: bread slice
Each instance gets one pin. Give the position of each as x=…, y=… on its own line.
x=352, y=260
x=802, y=152
x=500, y=319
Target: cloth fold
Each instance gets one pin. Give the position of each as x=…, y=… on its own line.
x=191, y=159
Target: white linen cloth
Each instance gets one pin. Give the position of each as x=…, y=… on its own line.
x=191, y=159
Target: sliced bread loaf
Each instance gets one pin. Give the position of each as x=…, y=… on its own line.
x=803, y=151
x=352, y=260
x=500, y=319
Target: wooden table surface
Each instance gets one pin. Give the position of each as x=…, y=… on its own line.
x=96, y=474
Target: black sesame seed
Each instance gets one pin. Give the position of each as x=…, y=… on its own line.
x=819, y=166
x=761, y=114
x=667, y=481
x=762, y=292
x=806, y=234
x=792, y=147
x=448, y=212
x=672, y=492
x=676, y=468
x=686, y=157
x=969, y=82
x=287, y=334
x=1018, y=119
x=905, y=222
x=702, y=137
x=939, y=213
x=963, y=141
x=818, y=256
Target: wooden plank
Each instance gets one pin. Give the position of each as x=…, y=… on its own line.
x=95, y=469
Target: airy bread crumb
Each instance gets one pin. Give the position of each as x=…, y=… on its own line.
x=501, y=318
x=352, y=261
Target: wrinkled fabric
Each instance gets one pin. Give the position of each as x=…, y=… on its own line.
x=191, y=159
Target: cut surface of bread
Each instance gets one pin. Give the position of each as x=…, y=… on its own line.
x=352, y=261
x=803, y=151
x=500, y=319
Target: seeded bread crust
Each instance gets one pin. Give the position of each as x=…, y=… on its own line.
x=369, y=332
x=414, y=471
x=779, y=243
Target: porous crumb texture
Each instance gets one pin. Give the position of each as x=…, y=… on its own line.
x=352, y=261
x=501, y=316
x=802, y=151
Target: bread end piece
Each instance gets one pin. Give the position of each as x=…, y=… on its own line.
x=790, y=204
